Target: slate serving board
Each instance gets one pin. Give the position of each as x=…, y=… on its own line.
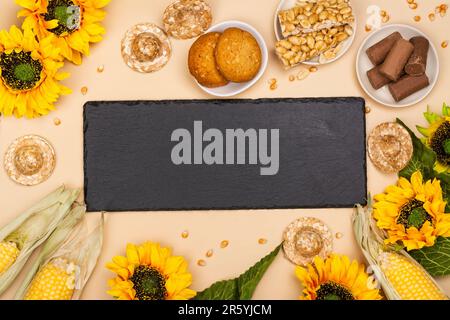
x=128, y=165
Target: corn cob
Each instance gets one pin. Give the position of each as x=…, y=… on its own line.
x=410, y=281
x=23, y=235
x=401, y=277
x=8, y=255
x=65, y=262
x=55, y=281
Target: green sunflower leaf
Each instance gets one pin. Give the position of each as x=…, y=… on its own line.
x=222, y=290
x=431, y=117
x=444, y=178
x=423, y=131
x=445, y=110
x=241, y=288
x=435, y=259
x=423, y=158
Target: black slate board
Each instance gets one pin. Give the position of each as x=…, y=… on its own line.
x=128, y=166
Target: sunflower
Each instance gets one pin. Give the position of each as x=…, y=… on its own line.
x=75, y=23
x=149, y=272
x=336, y=278
x=437, y=137
x=29, y=84
x=412, y=213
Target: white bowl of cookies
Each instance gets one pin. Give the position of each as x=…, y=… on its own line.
x=228, y=59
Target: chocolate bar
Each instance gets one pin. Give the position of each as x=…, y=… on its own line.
x=376, y=79
x=417, y=63
x=396, y=60
x=378, y=52
x=408, y=85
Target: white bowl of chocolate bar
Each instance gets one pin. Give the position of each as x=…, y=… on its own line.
x=320, y=60
x=383, y=95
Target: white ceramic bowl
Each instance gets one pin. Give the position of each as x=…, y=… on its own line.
x=234, y=88
x=287, y=4
x=383, y=95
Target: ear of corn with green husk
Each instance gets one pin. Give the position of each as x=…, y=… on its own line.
x=61, y=233
x=400, y=276
x=66, y=261
x=23, y=235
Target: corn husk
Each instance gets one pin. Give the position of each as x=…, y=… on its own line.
x=29, y=230
x=70, y=242
x=61, y=233
x=370, y=238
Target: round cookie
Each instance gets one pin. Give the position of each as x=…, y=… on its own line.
x=202, y=61
x=238, y=55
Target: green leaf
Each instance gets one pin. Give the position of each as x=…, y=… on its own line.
x=222, y=290
x=431, y=117
x=422, y=130
x=444, y=178
x=435, y=259
x=248, y=281
x=241, y=288
x=423, y=158
x=445, y=110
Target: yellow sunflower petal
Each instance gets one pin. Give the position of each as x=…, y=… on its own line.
x=121, y=290
x=440, y=168
x=158, y=256
x=133, y=254
x=16, y=35
x=417, y=182
x=302, y=274
x=98, y=3
x=185, y=294
x=28, y=4
x=175, y=265
x=120, y=271
x=178, y=282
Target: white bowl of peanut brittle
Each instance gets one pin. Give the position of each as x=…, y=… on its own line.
x=313, y=32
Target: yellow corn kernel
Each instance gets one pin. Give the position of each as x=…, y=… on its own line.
x=8, y=255
x=55, y=281
x=409, y=280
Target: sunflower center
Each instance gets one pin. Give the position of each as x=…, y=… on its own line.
x=333, y=291
x=66, y=12
x=19, y=70
x=412, y=214
x=24, y=72
x=440, y=143
x=149, y=283
x=417, y=218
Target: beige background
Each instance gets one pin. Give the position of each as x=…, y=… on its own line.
x=207, y=229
